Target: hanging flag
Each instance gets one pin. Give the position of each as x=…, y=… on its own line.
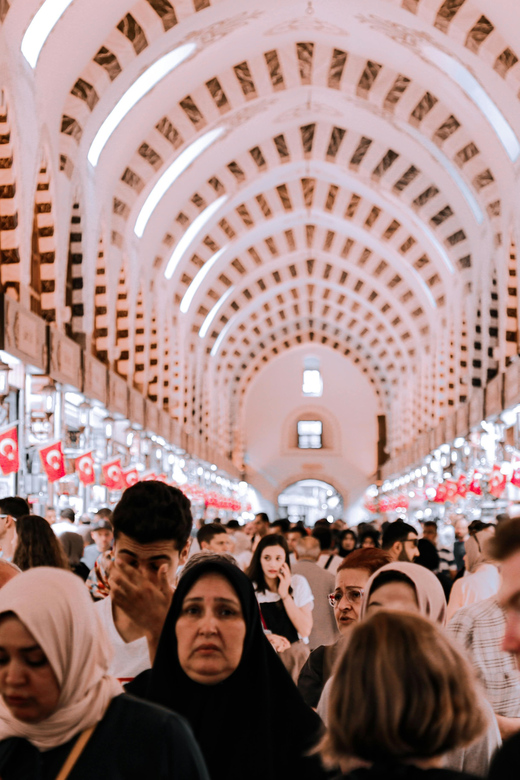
x=131, y=477
x=113, y=475
x=462, y=486
x=441, y=494
x=451, y=490
x=474, y=485
x=85, y=467
x=9, y=454
x=53, y=461
x=497, y=482
x=515, y=476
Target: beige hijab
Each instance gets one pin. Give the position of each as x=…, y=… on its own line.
x=476, y=549
x=56, y=609
x=429, y=592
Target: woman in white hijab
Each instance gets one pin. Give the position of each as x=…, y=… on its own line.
x=482, y=579
x=61, y=715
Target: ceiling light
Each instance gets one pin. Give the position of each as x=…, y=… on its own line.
x=133, y=94
x=211, y=316
x=194, y=286
x=178, y=166
x=469, y=84
x=191, y=234
x=41, y=26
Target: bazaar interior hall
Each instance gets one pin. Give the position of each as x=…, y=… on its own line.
x=263, y=251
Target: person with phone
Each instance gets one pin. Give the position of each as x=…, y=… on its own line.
x=285, y=599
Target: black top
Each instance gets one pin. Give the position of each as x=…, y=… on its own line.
x=506, y=763
x=134, y=741
x=316, y=671
x=405, y=772
x=252, y=725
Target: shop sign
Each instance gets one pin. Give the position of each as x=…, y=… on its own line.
x=24, y=334
x=476, y=407
x=152, y=422
x=494, y=396
x=512, y=384
x=136, y=407
x=117, y=394
x=95, y=382
x=65, y=363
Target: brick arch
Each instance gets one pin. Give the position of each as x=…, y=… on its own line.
x=44, y=272
x=74, y=286
x=100, y=342
x=10, y=256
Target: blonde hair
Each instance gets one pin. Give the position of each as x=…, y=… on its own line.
x=401, y=691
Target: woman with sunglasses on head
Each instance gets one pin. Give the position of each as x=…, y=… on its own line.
x=285, y=600
x=351, y=578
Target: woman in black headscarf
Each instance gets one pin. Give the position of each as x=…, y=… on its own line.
x=215, y=667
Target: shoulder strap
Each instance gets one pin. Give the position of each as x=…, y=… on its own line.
x=75, y=753
x=329, y=562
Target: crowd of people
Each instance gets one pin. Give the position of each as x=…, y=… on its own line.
x=135, y=645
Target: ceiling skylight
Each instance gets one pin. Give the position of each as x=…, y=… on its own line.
x=469, y=84
x=194, y=286
x=133, y=95
x=171, y=174
x=191, y=234
x=41, y=26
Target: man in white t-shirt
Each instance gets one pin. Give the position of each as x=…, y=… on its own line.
x=152, y=523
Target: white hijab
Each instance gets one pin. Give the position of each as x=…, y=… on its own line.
x=55, y=607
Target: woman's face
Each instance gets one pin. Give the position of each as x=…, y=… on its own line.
x=210, y=630
x=28, y=684
x=348, y=542
x=368, y=542
x=271, y=560
x=398, y=596
x=348, y=595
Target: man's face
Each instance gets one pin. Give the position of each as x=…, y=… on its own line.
x=6, y=522
x=407, y=550
x=430, y=533
x=293, y=537
x=461, y=530
x=259, y=526
x=103, y=539
x=509, y=598
x=149, y=558
x=220, y=543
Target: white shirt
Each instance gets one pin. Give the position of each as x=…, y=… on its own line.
x=333, y=565
x=301, y=593
x=63, y=527
x=130, y=658
x=471, y=588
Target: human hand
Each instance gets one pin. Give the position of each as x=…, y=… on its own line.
x=146, y=603
x=280, y=643
x=285, y=581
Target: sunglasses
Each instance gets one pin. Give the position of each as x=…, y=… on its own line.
x=352, y=594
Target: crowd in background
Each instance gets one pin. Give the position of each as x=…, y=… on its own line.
x=141, y=643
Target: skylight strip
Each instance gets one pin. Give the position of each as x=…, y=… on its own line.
x=171, y=174
x=213, y=313
x=191, y=234
x=469, y=84
x=194, y=286
x=41, y=26
x=146, y=81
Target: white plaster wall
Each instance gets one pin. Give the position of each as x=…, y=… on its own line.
x=272, y=404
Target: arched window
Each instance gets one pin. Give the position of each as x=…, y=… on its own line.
x=310, y=434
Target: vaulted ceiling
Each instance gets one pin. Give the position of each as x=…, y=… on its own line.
x=341, y=172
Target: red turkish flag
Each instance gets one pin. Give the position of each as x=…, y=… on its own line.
x=113, y=475
x=85, y=467
x=53, y=461
x=150, y=477
x=9, y=455
x=451, y=490
x=474, y=486
x=441, y=494
x=462, y=486
x=515, y=477
x=131, y=476
x=497, y=482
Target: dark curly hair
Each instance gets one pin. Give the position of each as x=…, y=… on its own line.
x=37, y=544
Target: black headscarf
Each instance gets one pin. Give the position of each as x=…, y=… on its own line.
x=254, y=724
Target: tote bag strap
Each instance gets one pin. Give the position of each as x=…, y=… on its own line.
x=75, y=753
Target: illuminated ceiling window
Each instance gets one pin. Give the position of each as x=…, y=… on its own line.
x=310, y=434
x=312, y=382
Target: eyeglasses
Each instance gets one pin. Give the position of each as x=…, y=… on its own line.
x=352, y=594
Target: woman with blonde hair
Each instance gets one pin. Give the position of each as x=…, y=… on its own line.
x=404, y=697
